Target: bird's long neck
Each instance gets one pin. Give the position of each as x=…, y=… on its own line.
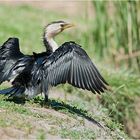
x=49, y=42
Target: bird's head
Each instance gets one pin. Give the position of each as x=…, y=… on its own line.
x=56, y=27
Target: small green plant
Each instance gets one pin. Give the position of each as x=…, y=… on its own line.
x=77, y=134
x=41, y=135
x=121, y=102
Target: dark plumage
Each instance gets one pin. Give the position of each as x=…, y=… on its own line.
x=33, y=74
x=9, y=54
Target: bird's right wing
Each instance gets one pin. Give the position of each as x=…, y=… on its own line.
x=71, y=64
x=9, y=54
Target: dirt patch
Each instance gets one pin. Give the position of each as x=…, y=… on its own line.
x=11, y=133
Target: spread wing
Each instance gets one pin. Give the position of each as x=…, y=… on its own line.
x=71, y=64
x=9, y=54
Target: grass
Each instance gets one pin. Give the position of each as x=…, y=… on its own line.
x=122, y=101
x=77, y=134
x=72, y=117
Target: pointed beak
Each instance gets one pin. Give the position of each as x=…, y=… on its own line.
x=67, y=25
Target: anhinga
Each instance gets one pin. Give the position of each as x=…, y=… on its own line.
x=33, y=74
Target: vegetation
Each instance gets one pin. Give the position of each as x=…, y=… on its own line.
x=116, y=30
x=121, y=102
x=72, y=114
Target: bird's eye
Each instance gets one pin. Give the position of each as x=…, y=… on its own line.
x=62, y=25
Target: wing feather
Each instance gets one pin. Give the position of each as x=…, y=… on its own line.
x=81, y=76
x=94, y=81
x=78, y=76
x=99, y=78
x=9, y=54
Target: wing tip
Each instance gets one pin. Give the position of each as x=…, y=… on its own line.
x=106, y=87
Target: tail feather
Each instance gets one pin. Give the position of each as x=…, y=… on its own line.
x=13, y=91
x=7, y=91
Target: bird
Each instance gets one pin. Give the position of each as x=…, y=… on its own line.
x=33, y=74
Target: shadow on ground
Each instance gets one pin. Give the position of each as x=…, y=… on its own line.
x=59, y=105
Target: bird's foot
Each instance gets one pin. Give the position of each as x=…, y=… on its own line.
x=46, y=98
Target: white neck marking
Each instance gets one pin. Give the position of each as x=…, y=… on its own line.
x=51, y=43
